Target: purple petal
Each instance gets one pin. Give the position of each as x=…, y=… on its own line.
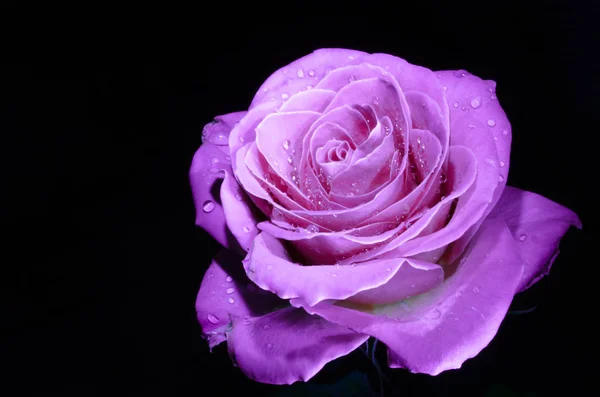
x=270, y=267
x=476, y=116
x=439, y=330
x=206, y=172
x=217, y=131
x=288, y=345
x=226, y=291
x=313, y=100
x=537, y=225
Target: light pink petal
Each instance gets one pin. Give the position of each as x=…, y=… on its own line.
x=313, y=100
x=244, y=132
x=441, y=329
x=287, y=81
x=413, y=78
x=537, y=225
x=476, y=112
x=270, y=267
x=288, y=345
x=461, y=176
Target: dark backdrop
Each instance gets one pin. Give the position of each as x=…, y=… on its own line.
x=101, y=260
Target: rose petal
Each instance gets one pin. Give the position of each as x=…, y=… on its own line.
x=205, y=175
x=226, y=291
x=288, y=345
x=217, y=131
x=475, y=112
x=439, y=330
x=314, y=67
x=537, y=225
x=270, y=267
x=313, y=100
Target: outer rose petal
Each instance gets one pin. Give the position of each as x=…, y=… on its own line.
x=288, y=345
x=205, y=176
x=439, y=330
x=226, y=291
x=537, y=225
x=475, y=110
x=270, y=343
x=217, y=132
x=269, y=266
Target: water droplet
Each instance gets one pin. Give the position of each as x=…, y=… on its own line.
x=376, y=100
x=388, y=269
x=455, y=104
x=493, y=97
x=472, y=126
x=213, y=170
x=502, y=164
x=476, y=102
x=523, y=237
x=270, y=267
x=491, y=122
x=490, y=162
x=439, y=76
x=286, y=144
x=312, y=228
x=300, y=73
x=228, y=279
x=413, y=285
x=495, y=138
x=284, y=95
x=309, y=87
x=351, y=78
x=230, y=291
x=212, y=318
x=290, y=159
x=500, y=178
x=242, y=139
x=267, y=327
x=227, y=158
x=246, y=229
x=333, y=274
x=460, y=73
x=311, y=73
x=504, y=132
x=208, y=206
x=436, y=314
x=473, y=308
x=230, y=300
x=247, y=321
x=214, y=160
x=238, y=196
x=476, y=290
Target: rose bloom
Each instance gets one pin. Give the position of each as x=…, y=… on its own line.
x=363, y=196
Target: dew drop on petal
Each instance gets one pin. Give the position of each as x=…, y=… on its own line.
x=286, y=144
x=388, y=269
x=504, y=132
x=230, y=300
x=212, y=318
x=309, y=87
x=436, y=314
x=376, y=100
x=501, y=178
x=269, y=267
x=246, y=229
x=214, y=160
x=491, y=122
x=284, y=95
x=472, y=126
x=312, y=228
x=267, y=327
x=476, y=290
x=208, y=206
x=311, y=73
x=351, y=78
x=455, y=104
x=300, y=73
x=228, y=279
x=476, y=102
x=522, y=237
x=230, y=291
x=502, y=164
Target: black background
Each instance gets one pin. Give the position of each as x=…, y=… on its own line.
x=101, y=261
